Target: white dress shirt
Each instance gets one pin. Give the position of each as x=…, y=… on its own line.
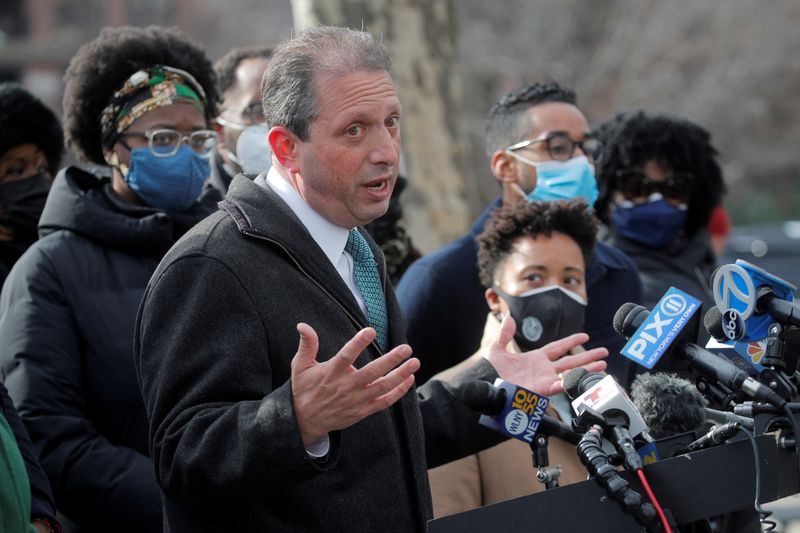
x=332, y=239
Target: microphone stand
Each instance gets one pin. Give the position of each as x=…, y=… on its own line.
x=776, y=376
x=590, y=451
x=541, y=459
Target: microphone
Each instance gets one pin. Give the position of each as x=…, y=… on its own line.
x=669, y=405
x=598, y=398
x=651, y=334
x=750, y=299
x=723, y=417
x=659, y=332
x=717, y=435
x=514, y=411
x=673, y=410
x=751, y=409
x=748, y=356
x=600, y=392
x=712, y=321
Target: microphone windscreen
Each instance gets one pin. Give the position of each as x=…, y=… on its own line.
x=669, y=405
x=620, y=315
x=483, y=397
x=572, y=382
x=712, y=320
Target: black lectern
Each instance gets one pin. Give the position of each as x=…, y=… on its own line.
x=693, y=487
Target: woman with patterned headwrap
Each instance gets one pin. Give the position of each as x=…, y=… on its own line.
x=138, y=101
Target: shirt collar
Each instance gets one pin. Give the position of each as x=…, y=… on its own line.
x=330, y=237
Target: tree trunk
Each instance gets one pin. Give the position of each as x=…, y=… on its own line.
x=420, y=36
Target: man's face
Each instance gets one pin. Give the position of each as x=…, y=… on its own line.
x=241, y=104
x=547, y=120
x=348, y=167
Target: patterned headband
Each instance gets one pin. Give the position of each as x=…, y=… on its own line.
x=145, y=90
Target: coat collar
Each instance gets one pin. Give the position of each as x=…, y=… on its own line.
x=260, y=213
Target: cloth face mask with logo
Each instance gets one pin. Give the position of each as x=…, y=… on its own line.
x=544, y=315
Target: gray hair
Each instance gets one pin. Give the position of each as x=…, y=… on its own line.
x=287, y=89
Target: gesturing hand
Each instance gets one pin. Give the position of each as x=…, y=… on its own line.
x=538, y=370
x=333, y=394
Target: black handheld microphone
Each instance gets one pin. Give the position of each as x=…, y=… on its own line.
x=712, y=321
x=723, y=417
x=717, y=435
x=497, y=404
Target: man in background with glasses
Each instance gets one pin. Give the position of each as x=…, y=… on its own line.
x=241, y=125
x=540, y=149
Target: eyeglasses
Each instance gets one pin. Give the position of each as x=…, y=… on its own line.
x=634, y=183
x=251, y=115
x=167, y=142
x=561, y=147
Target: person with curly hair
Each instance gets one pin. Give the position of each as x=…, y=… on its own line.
x=532, y=260
x=241, y=126
x=540, y=148
x=31, y=147
x=140, y=101
x=659, y=183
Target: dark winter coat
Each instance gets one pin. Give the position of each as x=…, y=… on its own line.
x=686, y=265
x=216, y=335
x=67, y=313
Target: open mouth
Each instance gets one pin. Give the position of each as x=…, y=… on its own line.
x=377, y=185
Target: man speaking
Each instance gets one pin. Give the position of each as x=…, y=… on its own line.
x=270, y=348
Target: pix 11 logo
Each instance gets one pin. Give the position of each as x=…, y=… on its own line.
x=661, y=327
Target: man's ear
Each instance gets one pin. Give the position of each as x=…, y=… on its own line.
x=504, y=167
x=493, y=300
x=284, y=146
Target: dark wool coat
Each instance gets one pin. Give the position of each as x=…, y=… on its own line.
x=215, y=337
x=67, y=314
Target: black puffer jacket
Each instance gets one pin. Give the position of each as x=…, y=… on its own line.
x=67, y=315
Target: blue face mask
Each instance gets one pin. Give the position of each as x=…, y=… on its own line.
x=653, y=224
x=562, y=180
x=169, y=183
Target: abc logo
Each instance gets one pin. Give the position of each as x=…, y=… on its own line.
x=732, y=325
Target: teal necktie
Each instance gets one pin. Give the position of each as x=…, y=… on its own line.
x=369, y=283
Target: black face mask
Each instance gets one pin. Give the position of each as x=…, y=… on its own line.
x=21, y=205
x=544, y=315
